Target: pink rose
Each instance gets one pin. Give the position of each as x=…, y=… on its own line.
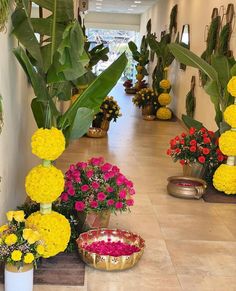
x=64, y=197
x=71, y=191
x=84, y=188
x=106, y=167
x=95, y=185
x=120, y=180
x=110, y=202
x=79, y=205
x=119, y=205
x=101, y=196
x=130, y=202
x=77, y=179
x=68, y=184
x=89, y=173
x=72, y=168
x=115, y=169
x=106, y=176
x=122, y=194
x=96, y=161
x=94, y=204
x=131, y=191
x=129, y=184
x=110, y=189
x=82, y=165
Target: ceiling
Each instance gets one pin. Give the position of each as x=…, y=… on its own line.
x=120, y=6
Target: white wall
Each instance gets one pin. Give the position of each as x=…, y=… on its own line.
x=196, y=13
x=15, y=153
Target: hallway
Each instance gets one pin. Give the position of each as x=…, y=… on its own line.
x=190, y=245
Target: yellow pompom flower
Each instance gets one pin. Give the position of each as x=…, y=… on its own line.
x=164, y=113
x=54, y=229
x=30, y=235
x=16, y=255
x=10, y=239
x=48, y=144
x=165, y=84
x=40, y=249
x=230, y=115
x=224, y=179
x=164, y=99
x=3, y=228
x=231, y=87
x=227, y=143
x=44, y=184
x=28, y=258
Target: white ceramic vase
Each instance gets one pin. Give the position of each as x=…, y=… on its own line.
x=19, y=279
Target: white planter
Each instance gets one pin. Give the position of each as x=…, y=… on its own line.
x=21, y=279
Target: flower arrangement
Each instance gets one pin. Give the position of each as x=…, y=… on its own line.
x=19, y=244
x=128, y=83
x=197, y=146
x=96, y=186
x=145, y=97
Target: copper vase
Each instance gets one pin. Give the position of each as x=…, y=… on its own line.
x=148, y=110
x=194, y=170
x=105, y=124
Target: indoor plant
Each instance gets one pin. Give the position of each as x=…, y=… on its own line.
x=20, y=247
x=94, y=189
x=197, y=152
x=109, y=111
x=147, y=100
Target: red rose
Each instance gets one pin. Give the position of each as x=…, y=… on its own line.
x=206, y=140
x=211, y=133
x=201, y=159
x=182, y=141
x=177, y=151
x=193, y=142
x=205, y=135
x=182, y=162
x=206, y=151
x=203, y=130
x=168, y=152
x=220, y=158
x=173, y=143
x=192, y=149
x=177, y=138
x=218, y=151
x=183, y=134
x=192, y=130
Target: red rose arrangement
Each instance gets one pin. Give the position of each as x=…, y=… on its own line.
x=198, y=146
x=97, y=185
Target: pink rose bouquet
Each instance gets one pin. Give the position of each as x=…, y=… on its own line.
x=97, y=185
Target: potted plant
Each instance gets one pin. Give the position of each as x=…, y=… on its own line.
x=197, y=152
x=94, y=190
x=20, y=248
x=109, y=111
x=147, y=100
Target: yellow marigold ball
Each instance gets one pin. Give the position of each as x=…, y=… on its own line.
x=139, y=77
x=231, y=87
x=44, y=184
x=165, y=84
x=11, y=239
x=227, y=143
x=230, y=115
x=139, y=68
x=164, y=99
x=28, y=258
x=224, y=179
x=16, y=255
x=48, y=144
x=54, y=229
x=164, y=113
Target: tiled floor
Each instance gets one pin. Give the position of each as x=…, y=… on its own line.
x=190, y=245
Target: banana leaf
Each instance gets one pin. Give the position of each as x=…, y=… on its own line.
x=190, y=122
x=222, y=66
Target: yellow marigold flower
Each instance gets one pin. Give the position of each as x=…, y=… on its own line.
x=40, y=249
x=231, y=87
x=10, y=239
x=164, y=113
x=227, y=143
x=54, y=229
x=44, y=184
x=19, y=216
x=30, y=235
x=164, y=99
x=16, y=255
x=139, y=77
x=48, y=144
x=3, y=228
x=28, y=258
x=224, y=179
x=165, y=84
x=10, y=215
x=230, y=115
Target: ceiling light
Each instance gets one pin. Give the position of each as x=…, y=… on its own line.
x=98, y=7
x=133, y=6
x=137, y=2
x=130, y=9
x=98, y=4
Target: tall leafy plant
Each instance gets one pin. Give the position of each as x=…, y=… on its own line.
x=57, y=60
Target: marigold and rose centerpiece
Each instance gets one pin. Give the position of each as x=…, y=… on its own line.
x=147, y=100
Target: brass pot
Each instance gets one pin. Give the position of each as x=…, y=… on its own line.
x=186, y=187
x=194, y=170
x=148, y=110
x=105, y=124
x=96, y=132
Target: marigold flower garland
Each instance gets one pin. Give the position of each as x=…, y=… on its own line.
x=44, y=184
x=224, y=177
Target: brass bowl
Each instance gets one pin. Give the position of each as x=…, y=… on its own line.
x=186, y=187
x=149, y=117
x=106, y=262
x=96, y=132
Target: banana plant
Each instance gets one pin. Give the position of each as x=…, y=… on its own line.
x=55, y=61
x=219, y=73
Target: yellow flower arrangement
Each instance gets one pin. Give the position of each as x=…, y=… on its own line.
x=54, y=229
x=28, y=258
x=164, y=99
x=16, y=255
x=231, y=87
x=19, y=216
x=230, y=115
x=227, y=143
x=164, y=113
x=224, y=179
x=165, y=84
x=10, y=239
x=44, y=184
x=48, y=144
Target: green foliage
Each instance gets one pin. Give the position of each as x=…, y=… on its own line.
x=190, y=122
x=4, y=10
x=213, y=35
x=224, y=39
x=173, y=19
x=142, y=56
x=190, y=103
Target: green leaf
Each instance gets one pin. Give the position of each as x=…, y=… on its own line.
x=212, y=89
x=233, y=70
x=221, y=65
x=132, y=47
x=38, y=112
x=190, y=122
x=188, y=58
